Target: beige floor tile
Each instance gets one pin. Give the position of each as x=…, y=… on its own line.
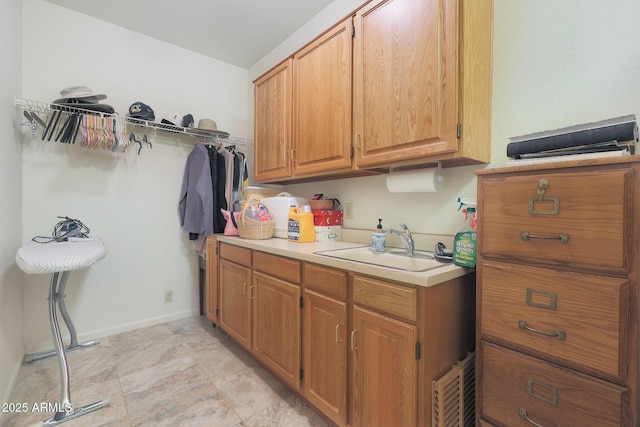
x=181, y=373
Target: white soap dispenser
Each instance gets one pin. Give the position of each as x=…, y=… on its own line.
x=378, y=238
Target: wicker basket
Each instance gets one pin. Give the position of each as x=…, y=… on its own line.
x=250, y=228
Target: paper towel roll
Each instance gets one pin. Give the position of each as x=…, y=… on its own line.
x=415, y=181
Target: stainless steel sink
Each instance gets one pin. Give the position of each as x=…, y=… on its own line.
x=391, y=258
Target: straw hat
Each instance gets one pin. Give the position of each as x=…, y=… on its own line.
x=210, y=126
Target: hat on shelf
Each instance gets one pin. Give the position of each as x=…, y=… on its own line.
x=81, y=92
x=172, y=119
x=140, y=110
x=187, y=121
x=209, y=126
x=83, y=98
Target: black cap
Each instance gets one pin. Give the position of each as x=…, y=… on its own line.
x=139, y=110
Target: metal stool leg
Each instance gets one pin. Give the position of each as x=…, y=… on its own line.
x=66, y=411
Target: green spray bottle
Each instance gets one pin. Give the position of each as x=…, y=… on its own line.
x=465, y=242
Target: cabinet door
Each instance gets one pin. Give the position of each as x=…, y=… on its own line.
x=325, y=355
x=405, y=99
x=384, y=370
x=272, y=132
x=322, y=103
x=235, y=304
x=276, y=326
x=212, y=279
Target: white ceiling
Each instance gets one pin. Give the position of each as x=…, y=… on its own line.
x=238, y=32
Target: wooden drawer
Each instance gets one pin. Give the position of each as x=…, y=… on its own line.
x=589, y=310
x=276, y=266
x=593, y=211
x=385, y=296
x=236, y=254
x=327, y=280
x=515, y=386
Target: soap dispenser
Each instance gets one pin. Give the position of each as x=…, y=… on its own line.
x=378, y=238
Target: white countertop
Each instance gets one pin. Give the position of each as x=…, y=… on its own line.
x=306, y=252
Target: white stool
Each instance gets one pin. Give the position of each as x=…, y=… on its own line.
x=58, y=259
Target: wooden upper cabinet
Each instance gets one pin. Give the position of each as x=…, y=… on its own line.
x=322, y=103
x=272, y=133
x=422, y=82
x=400, y=82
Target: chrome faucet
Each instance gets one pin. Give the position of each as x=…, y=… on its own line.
x=406, y=238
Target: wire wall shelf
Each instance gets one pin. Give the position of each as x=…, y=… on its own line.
x=111, y=131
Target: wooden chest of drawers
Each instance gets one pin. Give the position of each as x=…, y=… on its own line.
x=557, y=303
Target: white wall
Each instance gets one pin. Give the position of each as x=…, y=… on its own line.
x=129, y=200
x=555, y=64
x=11, y=341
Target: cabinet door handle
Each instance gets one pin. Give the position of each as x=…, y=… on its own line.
x=563, y=237
x=560, y=335
x=337, y=328
x=244, y=285
x=251, y=292
x=352, y=340
x=523, y=414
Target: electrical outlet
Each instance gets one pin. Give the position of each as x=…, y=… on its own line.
x=348, y=210
x=168, y=296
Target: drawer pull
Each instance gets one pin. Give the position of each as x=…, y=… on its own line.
x=551, y=295
x=552, y=400
x=523, y=414
x=564, y=238
x=560, y=335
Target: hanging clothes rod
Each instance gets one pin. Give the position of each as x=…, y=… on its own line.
x=202, y=136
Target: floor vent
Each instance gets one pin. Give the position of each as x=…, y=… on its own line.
x=453, y=402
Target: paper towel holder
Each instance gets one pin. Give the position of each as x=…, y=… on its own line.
x=439, y=174
x=416, y=179
x=403, y=168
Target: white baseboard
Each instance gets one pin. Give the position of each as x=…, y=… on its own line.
x=101, y=333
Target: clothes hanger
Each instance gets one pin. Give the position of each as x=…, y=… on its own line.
x=132, y=137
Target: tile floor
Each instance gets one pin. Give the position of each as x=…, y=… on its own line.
x=180, y=373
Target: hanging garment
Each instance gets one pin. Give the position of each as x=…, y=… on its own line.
x=228, y=186
x=218, y=179
x=196, y=198
x=240, y=176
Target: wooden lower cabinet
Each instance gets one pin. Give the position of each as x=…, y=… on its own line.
x=384, y=370
x=348, y=344
x=325, y=341
x=235, y=302
x=276, y=326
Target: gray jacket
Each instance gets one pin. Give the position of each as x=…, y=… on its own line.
x=196, y=197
